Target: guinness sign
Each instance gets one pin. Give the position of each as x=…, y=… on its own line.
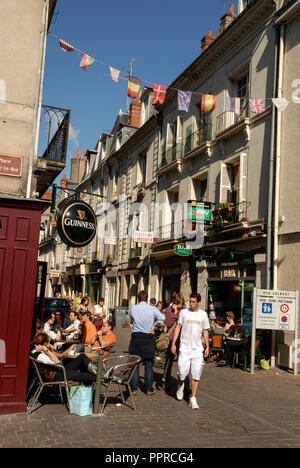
x=76, y=224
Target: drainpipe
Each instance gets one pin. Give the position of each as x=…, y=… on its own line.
x=37, y=104
x=277, y=180
x=271, y=207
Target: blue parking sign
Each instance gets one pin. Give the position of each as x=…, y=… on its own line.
x=266, y=308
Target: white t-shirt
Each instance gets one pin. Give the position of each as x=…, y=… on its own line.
x=193, y=324
x=50, y=333
x=76, y=325
x=100, y=310
x=42, y=357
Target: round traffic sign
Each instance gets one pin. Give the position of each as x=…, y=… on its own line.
x=284, y=319
x=284, y=308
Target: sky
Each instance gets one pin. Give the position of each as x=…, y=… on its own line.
x=162, y=36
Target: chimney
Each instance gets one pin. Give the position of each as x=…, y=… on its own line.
x=78, y=166
x=135, y=113
x=206, y=41
x=227, y=19
x=47, y=195
x=63, y=185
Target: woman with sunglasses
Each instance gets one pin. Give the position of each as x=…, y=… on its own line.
x=171, y=317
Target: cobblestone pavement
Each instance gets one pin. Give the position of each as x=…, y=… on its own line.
x=237, y=409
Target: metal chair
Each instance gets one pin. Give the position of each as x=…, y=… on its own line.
x=39, y=368
x=119, y=370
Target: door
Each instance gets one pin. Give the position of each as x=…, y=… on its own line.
x=19, y=237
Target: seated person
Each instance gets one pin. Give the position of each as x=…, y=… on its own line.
x=218, y=328
x=80, y=369
x=229, y=327
x=104, y=337
x=72, y=330
x=88, y=331
x=49, y=328
x=153, y=302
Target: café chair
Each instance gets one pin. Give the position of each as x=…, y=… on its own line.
x=216, y=345
x=43, y=377
x=119, y=370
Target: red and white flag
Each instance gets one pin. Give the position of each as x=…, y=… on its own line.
x=65, y=46
x=257, y=105
x=114, y=74
x=159, y=94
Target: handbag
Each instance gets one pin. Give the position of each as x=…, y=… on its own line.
x=81, y=400
x=162, y=342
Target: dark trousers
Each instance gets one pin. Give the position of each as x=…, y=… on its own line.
x=149, y=376
x=77, y=370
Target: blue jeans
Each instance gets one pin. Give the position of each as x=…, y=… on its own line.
x=149, y=376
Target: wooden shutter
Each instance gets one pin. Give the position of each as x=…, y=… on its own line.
x=225, y=182
x=243, y=178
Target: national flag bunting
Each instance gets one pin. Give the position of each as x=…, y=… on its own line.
x=257, y=105
x=184, y=100
x=86, y=62
x=159, y=94
x=114, y=74
x=133, y=86
x=233, y=105
x=280, y=103
x=208, y=103
x=65, y=46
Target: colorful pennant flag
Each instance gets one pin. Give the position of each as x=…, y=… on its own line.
x=280, y=103
x=86, y=62
x=257, y=105
x=184, y=100
x=114, y=74
x=208, y=103
x=65, y=46
x=159, y=93
x=133, y=86
x=233, y=105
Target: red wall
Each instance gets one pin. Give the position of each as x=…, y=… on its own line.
x=19, y=237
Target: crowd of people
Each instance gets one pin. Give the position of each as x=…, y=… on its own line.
x=88, y=329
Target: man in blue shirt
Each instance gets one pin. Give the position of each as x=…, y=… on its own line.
x=143, y=317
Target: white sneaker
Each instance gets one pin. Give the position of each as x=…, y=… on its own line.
x=193, y=403
x=179, y=393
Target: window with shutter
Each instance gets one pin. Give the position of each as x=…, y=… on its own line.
x=225, y=182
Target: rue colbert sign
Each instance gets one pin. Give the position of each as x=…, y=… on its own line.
x=76, y=224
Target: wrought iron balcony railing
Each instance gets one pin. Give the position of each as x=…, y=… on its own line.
x=193, y=140
x=171, y=154
x=226, y=214
x=54, y=132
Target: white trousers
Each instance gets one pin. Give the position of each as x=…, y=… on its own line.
x=190, y=360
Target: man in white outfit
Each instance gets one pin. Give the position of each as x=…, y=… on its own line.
x=193, y=323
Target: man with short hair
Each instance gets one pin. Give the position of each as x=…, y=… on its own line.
x=143, y=317
x=104, y=337
x=192, y=324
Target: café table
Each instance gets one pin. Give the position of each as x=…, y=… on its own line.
x=235, y=347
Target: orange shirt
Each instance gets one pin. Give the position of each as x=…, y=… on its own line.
x=88, y=332
x=110, y=339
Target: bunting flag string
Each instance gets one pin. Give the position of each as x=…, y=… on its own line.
x=65, y=46
x=86, y=61
x=208, y=101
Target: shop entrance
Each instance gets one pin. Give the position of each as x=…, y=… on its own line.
x=235, y=296
x=171, y=285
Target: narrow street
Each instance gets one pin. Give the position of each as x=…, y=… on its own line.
x=237, y=409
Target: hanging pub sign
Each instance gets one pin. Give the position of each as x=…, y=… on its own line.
x=199, y=212
x=76, y=224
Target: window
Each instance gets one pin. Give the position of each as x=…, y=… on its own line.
x=233, y=181
x=204, y=123
x=141, y=169
x=242, y=92
x=200, y=189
